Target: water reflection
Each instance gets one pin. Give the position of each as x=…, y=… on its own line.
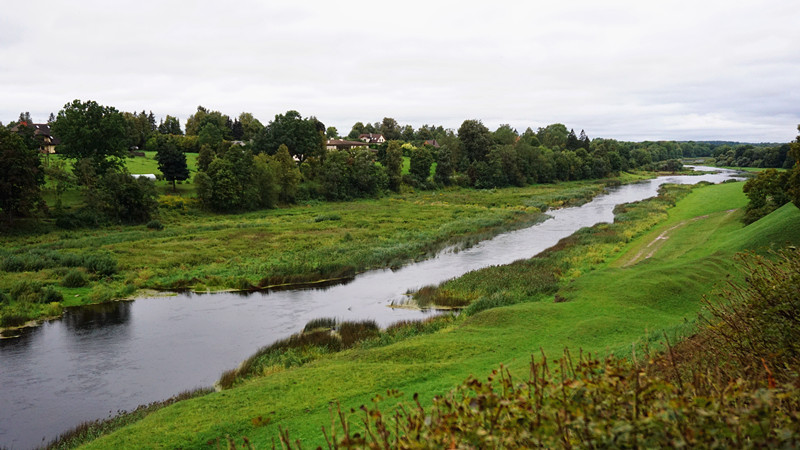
x=92, y=317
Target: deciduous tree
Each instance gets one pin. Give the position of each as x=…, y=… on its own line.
x=91, y=131
x=172, y=163
x=475, y=139
x=21, y=177
x=303, y=137
x=394, y=165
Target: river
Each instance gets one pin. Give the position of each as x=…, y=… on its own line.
x=98, y=360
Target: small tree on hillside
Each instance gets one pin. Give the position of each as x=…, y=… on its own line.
x=172, y=163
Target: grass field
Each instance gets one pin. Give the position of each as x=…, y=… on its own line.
x=605, y=305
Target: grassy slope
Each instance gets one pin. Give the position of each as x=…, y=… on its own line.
x=611, y=307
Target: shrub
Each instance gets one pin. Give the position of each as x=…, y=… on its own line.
x=50, y=295
x=580, y=403
x=324, y=217
x=4, y=298
x=25, y=291
x=73, y=279
x=155, y=225
x=102, y=264
x=757, y=322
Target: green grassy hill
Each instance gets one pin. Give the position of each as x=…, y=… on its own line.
x=614, y=299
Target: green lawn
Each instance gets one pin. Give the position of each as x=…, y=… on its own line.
x=610, y=307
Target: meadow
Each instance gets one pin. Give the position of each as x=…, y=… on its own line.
x=590, y=293
x=312, y=242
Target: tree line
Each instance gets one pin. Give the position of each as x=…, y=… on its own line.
x=244, y=164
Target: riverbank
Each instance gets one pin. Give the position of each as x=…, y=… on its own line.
x=662, y=293
x=204, y=252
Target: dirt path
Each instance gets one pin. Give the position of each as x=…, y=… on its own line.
x=653, y=246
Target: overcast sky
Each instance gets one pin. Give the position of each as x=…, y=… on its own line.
x=629, y=70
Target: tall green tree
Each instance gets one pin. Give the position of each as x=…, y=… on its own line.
x=505, y=135
x=767, y=191
x=204, y=116
x=794, y=175
x=394, y=165
x=287, y=175
x=91, y=131
x=475, y=140
x=210, y=135
x=172, y=163
x=250, y=126
x=170, y=125
x=444, y=166
x=303, y=137
x=356, y=131
x=553, y=136
x=421, y=161
x=21, y=177
x=124, y=198
x=390, y=129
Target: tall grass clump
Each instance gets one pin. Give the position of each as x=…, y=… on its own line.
x=433, y=297
x=74, y=278
x=103, y=264
x=327, y=323
x=26, y=291
x=354, y=332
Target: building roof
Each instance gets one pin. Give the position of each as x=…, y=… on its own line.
x=40, y=129
x=371, y=138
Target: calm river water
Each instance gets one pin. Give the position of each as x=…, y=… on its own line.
x=98, y=360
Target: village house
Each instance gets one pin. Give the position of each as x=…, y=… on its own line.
x=372, y=138
x=41, y=131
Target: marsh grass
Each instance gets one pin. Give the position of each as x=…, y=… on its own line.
x=326, y=323
x=431, y=297
x=321, y=337
x=262, y=249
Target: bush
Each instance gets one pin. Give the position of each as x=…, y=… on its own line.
x=155, y=225
x=102, y=264
x=4, y=298
x=73, y=279
x=25, y=291
x=50, y=295
x=324, y=217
